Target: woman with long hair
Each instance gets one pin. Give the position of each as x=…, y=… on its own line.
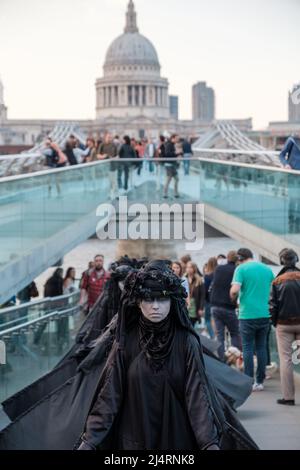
x=69, y=281
x=177, y=269
x=197, y=292
x=209, y=271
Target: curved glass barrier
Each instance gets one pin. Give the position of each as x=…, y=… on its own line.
x=33, y=348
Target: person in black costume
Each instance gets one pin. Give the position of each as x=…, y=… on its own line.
x=97, y=321
x=107, y=305
x=52, y=413
x=154, y=393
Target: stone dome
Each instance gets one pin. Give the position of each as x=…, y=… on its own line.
x=131, y=49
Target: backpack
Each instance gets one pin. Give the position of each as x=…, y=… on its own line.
x=53, y=159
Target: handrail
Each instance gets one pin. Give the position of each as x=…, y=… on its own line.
x=200, y=149
x=20, y=156
x=237, y=152
x=249, y=165
x=34, y=303
x=38, y=320
x=164, y=160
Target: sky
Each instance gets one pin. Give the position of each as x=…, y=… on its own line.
x=52, y=51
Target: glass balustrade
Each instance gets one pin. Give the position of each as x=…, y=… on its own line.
x=34, y=347
x=35, y=207
x=266, y=198
x=15, y=316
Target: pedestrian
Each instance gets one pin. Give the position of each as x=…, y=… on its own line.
x=171, y=167
x=285, y=312
x=150, y=154
x=252, y=283
x=69, y=286
x=290, y=154
x=69, y=150
x=187, y=155
x=177, y=269
x=140, y=151
x=126, y=152
x=55, y=158
x=29, y=292
x=90, y=152
x=221, y=260
x=161, y=154
x=93, y=283
x=208, y=278
x=54, y=285
x=53, y=288
x=223, y=309
x=91, y=266
x=184, y=260
x=109, y=151
x=197, y=292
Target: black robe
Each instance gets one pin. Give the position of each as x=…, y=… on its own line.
x=141, y=409
x=57, y=421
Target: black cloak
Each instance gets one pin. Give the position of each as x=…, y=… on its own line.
x=57, y=420
x=154, y=393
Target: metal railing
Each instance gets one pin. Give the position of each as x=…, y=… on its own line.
x=13, y=317
x=38, y=343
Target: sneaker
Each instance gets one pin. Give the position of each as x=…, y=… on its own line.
x=282, y=401
x=258, y=387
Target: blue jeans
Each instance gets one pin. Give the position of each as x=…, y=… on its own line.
x=207, y=317
x=254, y=339
x=225, y=317
x=151, y=167
x=186, y=163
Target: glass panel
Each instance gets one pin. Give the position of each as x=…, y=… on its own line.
x=34, y=349
x=265, y=198
x=33, y=209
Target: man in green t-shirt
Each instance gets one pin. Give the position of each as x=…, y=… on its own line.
x=252, y=284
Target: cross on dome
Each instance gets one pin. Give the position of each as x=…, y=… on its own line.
x=131, y=22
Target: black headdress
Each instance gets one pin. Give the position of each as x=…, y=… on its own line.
x=107, y=305
x=155, y=280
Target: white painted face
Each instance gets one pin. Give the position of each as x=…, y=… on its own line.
x=156, y=310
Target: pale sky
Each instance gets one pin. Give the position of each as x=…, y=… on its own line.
x=52, y=51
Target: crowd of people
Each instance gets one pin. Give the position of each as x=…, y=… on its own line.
x=233, y=299
x=113, y=148
x=159, y=387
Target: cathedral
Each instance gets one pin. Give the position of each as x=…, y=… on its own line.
x=131, y=97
